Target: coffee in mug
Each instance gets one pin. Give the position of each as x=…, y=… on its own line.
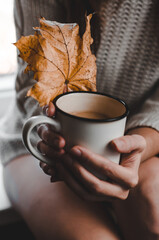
x=91, y=115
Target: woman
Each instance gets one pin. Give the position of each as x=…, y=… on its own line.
x=126, y=45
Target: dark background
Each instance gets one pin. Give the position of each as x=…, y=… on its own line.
x=15, y=231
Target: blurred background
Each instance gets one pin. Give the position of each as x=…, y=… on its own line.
x=8, y=62
x=11, y=225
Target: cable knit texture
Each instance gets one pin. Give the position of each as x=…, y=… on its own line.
x=126, y=44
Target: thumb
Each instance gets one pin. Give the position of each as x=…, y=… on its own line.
x=129, y=143
x=49, y=110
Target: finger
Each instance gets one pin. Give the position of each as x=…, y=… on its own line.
x=131, y=160
x=44, y=109
x=94, y=185
x=47, y=169
x=50, y=110
x=42, y=164
x=48, y=151
x=50, y=137
x=55, y=178
x=75, y=186
x=125, y=176
x=129, y=143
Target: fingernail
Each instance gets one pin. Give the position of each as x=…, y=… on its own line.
x=76, y=152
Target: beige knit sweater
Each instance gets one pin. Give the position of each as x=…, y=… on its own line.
x=126, y=43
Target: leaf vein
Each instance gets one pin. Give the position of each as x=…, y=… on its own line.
x=85, y=79
x=66, y=50
x=80, y=67
x=48, y=60
x=52, y=36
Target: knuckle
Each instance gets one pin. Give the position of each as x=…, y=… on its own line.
x=123, y=195
x=77, y=169
x=103, y=168
x=107, y=169
x=95, y=188
x=133, y=181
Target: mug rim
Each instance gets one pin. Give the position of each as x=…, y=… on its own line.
x=89, y=119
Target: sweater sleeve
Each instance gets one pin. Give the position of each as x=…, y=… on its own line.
x=26, y=14
x=148, y=115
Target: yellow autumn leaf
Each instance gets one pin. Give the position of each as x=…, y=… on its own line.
x=60, y=59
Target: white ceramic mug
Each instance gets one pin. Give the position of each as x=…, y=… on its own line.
x=94, y=134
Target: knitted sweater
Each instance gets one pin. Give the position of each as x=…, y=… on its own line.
x=126, y=44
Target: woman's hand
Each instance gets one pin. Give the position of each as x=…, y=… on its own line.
x=119, y=178
x=51, y=144
x=70, y=167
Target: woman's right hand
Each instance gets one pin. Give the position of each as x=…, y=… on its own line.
x=51, y=144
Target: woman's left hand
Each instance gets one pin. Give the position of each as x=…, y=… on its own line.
x=119, y=178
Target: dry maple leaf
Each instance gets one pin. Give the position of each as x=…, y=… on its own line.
x=60, y=59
